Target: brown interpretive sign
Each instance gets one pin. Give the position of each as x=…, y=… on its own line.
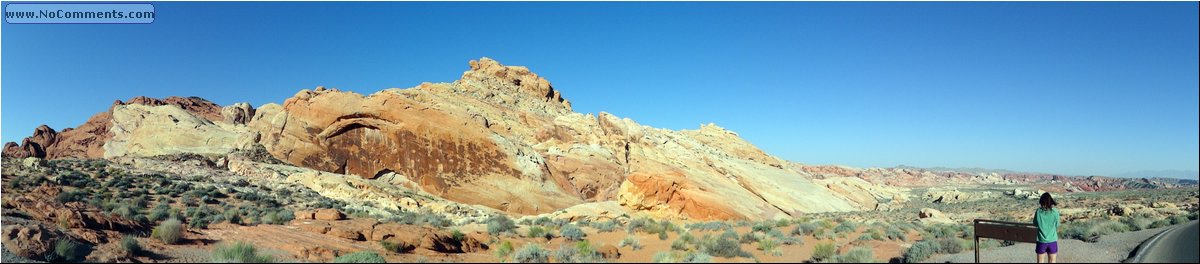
x=1011, y=231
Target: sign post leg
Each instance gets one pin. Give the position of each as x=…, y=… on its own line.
x=976, y=249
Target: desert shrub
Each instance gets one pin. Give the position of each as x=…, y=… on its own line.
x=605, y=226
x=238, y=252
x=662, y=234
x=782, y=222
x=856, y=255
x=1110, y=227
x=541, y=221
x=950, y=245
x=123, y=212
x=457, y=235
x=397, y=246
x=535, y=232
x=696, y=257
x=65, y=250
x=824, y=251
x=1160, y=223
x=1081, y=231
x=499, y=224
x=423, y=217
x=791, y=240
x=725, y=245
x=807, y=228
x=1136, y=223
x=558, y=223
x=572, y=232
x=769, y=246
x=130, y=246
x=169, y=231
x=844, y=227
x=160, y=212
x=581, y=252
x=360, y=257
x=71, y=196
x=710, y=226
x=630, y=241
x=531, y=253
x=504, y=250
x=942, y=230
x=864, y=237
x=1177, y=219
x=276, y=217
x=664, y=257
x=894, y=233
x=683, y=241
x=799, y=230
x=920, y=251
x=876, y=234
x=748, y=238
x=763, y=226
x=681, y=257
x=636, y=224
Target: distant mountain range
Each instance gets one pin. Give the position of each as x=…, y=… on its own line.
x=1151, y=174
x=1178, y=174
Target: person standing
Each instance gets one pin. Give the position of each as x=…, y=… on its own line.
x=1046, y=218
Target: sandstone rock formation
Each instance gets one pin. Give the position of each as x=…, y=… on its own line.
x=144, y=131
x=501, y=137
x=87, y=140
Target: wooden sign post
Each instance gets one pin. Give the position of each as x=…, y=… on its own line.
x=1012, y=231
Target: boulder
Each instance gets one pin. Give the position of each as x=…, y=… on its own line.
x=304, y=215
x=425, y=237
x=930, y=215
x=609, y=251
x=32, y=241
x=329, y=214
x=238, y=114
x=345, y=232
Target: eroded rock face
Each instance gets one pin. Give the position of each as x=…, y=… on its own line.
x=87, y=140
x=144, y=131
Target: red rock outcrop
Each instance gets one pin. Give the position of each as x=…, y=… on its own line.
x=33, y=241
x=672, y=192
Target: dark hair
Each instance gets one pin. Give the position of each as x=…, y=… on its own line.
x=1046, y=201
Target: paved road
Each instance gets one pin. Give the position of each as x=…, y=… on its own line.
x=1179, y=245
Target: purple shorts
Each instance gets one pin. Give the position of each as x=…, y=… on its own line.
x=1043, y=248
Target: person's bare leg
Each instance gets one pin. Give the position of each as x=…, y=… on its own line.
x=1039, y=258
x=1053, y=258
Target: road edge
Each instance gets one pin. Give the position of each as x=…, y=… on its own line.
x=1140, y=251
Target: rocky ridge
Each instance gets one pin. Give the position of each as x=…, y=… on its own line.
x=500, y=137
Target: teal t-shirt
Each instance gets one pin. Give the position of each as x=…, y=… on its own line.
x=1047, y=223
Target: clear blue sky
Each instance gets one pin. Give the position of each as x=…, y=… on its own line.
x=1073, y=88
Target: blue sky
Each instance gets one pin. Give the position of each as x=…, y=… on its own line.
x=1072, y=88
